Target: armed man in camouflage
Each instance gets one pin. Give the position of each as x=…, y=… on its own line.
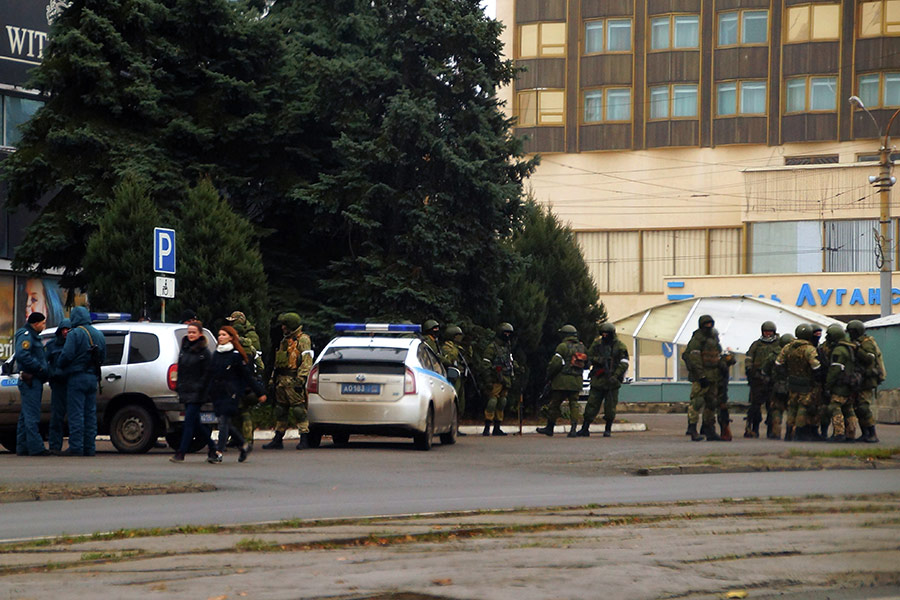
x=565, y=371
x=871, y=364
x=250, y=342
x=840, y=383
x=701, y=357
x=803, y=369
x=431, y=331
x=760, y=351
x=608, y=358
x=499, y=359
x=293, y=361
x=723, y=415
x=777, y=405
x=452, y=352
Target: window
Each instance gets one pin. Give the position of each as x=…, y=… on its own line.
x=741, y=97
x=611, y=35
x=879, y=90
x=115, y=347
x=813, y=22
x=742, y=28
x=541, y=107
x=786, y=247
x=142, y=348
x=609, y=104
x=808, y=94
x=15, y=113
x=819, y=159
x=675, y=31
x=879, y=18
x=542, y=39
x=677, y=101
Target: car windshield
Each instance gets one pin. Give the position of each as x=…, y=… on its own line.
x=365, y=353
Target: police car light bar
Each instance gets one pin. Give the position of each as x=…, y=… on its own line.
x=379, y=327
x=110, y=316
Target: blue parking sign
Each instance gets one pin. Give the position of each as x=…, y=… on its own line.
x=164, y=250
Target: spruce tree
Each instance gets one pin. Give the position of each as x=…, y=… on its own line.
x=118, y=262
x=219, y=265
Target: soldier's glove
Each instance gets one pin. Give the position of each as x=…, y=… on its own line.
x=704, y=382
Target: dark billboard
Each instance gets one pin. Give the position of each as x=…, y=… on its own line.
x=23, y=39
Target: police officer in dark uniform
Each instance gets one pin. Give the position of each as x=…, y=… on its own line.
x=58, y=384
x=33, y=372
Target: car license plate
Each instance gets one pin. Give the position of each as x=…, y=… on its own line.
x=208, y=417
x=361, y=388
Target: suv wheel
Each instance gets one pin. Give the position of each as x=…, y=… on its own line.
x=131, y=430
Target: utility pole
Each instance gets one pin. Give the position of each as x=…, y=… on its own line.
x=883, y=183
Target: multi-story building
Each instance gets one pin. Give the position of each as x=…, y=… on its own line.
x=708, y=147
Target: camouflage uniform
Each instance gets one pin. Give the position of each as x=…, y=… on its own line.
x=840, y=384
x=723, y=415
x=498, y=356
x=608, y=358
x=777, y=374
x=871, y=365
x=802, y=364
x=701, y=357
x=249, y=339
x=760, y=351
x=431, y=330
x=293, y=361
x=452, y=354
x=565, y=371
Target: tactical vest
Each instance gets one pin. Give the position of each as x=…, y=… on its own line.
x=796, y=360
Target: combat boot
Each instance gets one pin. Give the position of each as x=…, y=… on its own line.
x=572, y=432
x=710, y=432
x=692, y=431
x=497, y=430
x=869, y=435
x=851, y=424
x=585, y=430
x=755, y=429
x=774, y=430
x=726, y=432
x=789, y=433
x=547, y=429
x=802, y=434
x=824, y=430
x=276, y=443
x=303, y=444
x=607, y=431
x=487, y=428
x=748, y=430
x=837, y=439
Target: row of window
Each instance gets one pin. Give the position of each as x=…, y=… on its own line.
x=14, y=112
x=805, y=23
x=808, y=93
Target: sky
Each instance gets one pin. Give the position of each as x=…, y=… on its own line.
x=490, y=7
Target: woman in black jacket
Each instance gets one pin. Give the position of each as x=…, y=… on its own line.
x=193, y=361
x=228, y=375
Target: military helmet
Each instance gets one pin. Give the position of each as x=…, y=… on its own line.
x=504, y=328
x=290, y=320
x=855, y=328
x=834, y=333
x=568, y=329
x=608, y=328
x=237, y=316
x=704, y=319
x=768, y=326
x=430, y=325
x=804, y=331
x=786, y=338
x=453, y=331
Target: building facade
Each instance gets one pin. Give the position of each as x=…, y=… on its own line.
x=708, y=147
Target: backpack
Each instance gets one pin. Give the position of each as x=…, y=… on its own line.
x=577, y=357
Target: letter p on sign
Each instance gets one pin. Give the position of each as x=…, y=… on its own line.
x=164, y=250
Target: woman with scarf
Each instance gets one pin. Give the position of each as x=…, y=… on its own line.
x=193, y=361
x=228, y=375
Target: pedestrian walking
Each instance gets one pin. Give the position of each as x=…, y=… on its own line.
x=226, y=378
x=193, y=362
x=58, y=385
x=81, y=358
x=33, y=372
x=566, y=374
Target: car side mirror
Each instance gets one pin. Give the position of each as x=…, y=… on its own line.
x=7, y=368
x=453, y=373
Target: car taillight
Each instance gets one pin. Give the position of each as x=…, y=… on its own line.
x=312, y=382
x=409, y=382
x=172, y=376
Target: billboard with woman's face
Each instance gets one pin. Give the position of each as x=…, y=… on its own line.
x=7, y=315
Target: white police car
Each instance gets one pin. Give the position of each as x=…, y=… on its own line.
x=381, y=379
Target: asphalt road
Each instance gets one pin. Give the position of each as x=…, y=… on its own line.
x=389, y=477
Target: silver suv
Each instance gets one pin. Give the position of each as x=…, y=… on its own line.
x=137, y=402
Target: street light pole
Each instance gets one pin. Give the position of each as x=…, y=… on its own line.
x=884, y=182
